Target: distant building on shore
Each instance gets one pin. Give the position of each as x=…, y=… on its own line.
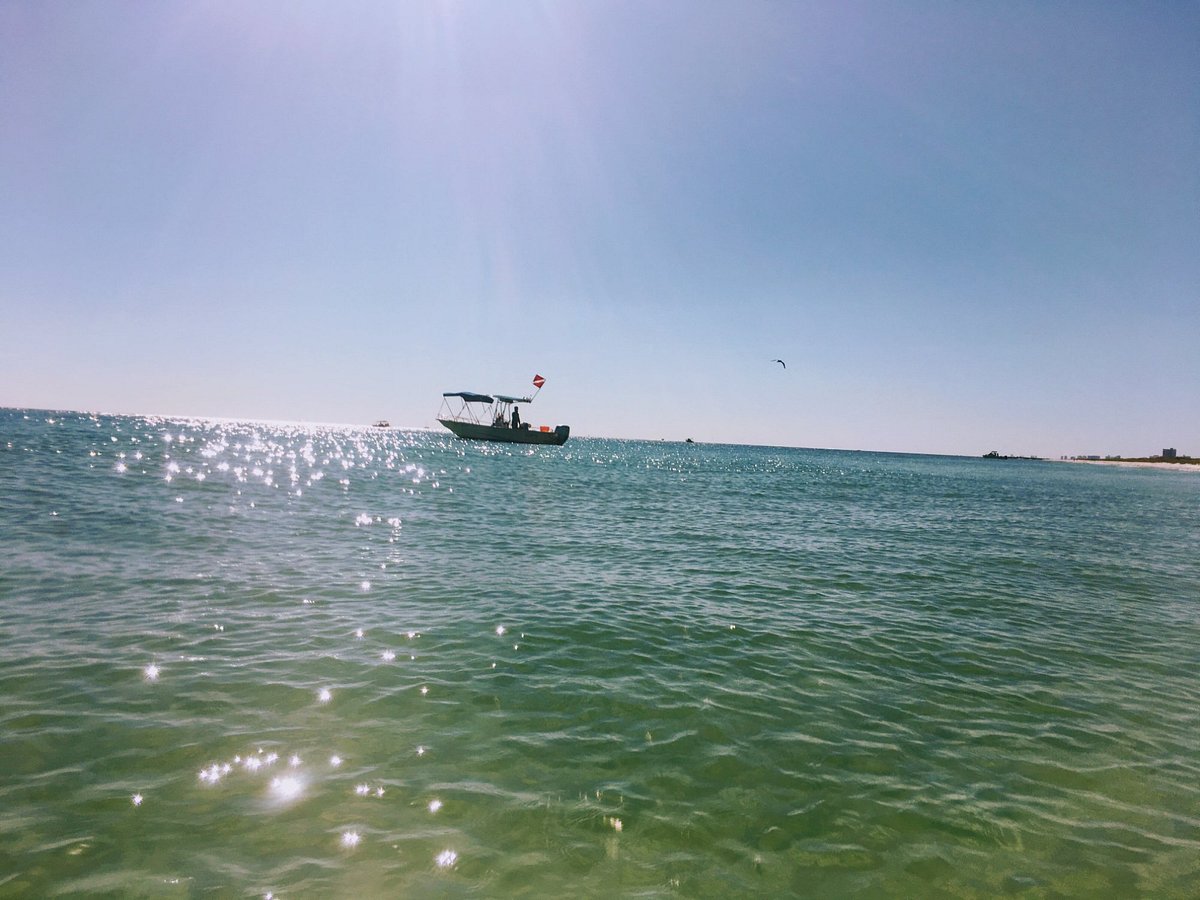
x=1169, y=453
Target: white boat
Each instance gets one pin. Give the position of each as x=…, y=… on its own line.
x=495, y=417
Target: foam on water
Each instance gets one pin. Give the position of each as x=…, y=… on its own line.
x=285, y=661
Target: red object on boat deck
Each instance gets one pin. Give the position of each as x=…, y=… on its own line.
x=545, y=428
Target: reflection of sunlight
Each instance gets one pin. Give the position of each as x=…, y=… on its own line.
x=151, y=672
x=287, y=788
x=446, y=858
x=350, y=838
x=435, y=805
x=211, y=775
x=324, y=695
x=137, y=799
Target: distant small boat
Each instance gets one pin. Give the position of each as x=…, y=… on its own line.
x=382, y=423
x=486, y=417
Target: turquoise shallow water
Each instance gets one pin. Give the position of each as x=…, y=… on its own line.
x=252, y=660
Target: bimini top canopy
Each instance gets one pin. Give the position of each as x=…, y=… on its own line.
x=469, y=397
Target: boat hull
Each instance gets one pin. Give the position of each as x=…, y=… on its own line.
x=474, y=432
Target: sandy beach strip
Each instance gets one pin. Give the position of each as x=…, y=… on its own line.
x=1132, y=464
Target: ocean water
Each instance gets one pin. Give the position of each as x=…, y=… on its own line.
x=252, y=660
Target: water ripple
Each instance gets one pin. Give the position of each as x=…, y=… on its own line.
x=333, y=661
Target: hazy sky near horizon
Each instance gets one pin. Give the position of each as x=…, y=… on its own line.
x=964, y=226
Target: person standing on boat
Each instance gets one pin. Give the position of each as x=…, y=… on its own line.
x=516, y=417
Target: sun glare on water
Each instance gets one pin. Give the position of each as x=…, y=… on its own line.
x=287, y=788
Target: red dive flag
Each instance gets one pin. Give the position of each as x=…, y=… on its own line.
x=538, y=381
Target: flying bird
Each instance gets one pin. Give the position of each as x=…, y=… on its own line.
x=781, y=362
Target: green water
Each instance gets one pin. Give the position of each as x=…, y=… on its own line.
x=249, y=660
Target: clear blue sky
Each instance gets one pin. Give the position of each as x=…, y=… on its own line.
x=965, y=226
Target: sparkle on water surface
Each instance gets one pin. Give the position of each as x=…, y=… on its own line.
x=287, y=788
x=740, y=671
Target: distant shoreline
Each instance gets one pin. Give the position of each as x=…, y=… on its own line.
x=1183, y=465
